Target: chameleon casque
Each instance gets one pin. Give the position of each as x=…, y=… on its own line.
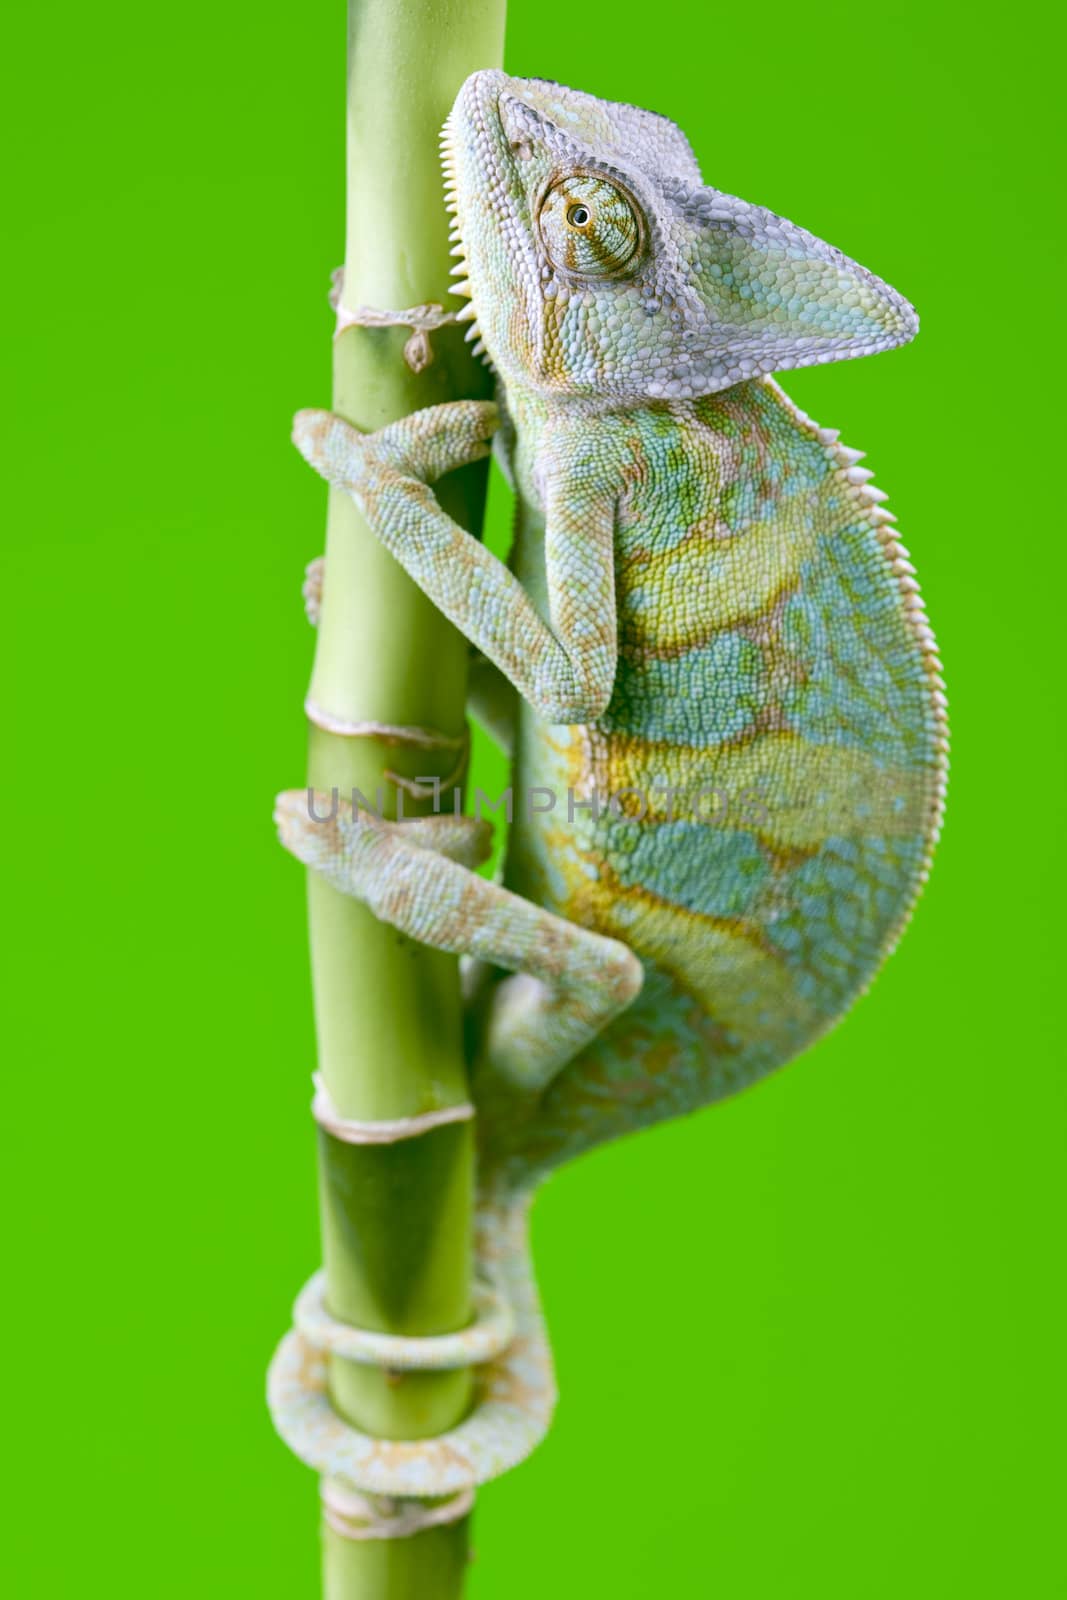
x=726, y=680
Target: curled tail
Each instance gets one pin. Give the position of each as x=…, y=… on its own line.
x=516, y=1391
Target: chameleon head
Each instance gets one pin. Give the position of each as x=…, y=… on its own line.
x=598, y=265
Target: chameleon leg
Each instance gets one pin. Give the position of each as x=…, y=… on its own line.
x=565, y=670
x=568, y=984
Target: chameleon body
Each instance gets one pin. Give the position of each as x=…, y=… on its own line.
x=729, y=747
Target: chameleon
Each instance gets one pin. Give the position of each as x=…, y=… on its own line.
x=724, y=700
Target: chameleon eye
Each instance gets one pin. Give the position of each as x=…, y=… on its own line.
x=589, y=227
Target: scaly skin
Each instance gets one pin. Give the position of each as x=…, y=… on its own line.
x=776, y=673
x=706, y=608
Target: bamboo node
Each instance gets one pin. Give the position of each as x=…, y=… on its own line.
x=393, y=733
x=388, y=732
x=388, y=1131
x=422, y=320
x=359, y=1516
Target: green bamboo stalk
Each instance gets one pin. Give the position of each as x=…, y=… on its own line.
x=396, y=1219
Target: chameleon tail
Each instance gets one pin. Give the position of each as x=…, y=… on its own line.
x=516, y=1390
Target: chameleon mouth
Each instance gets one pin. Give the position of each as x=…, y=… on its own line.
x=457, y=248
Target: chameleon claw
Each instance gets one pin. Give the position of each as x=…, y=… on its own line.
x=311, y=589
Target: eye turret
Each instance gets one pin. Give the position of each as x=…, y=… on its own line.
x=589, y=227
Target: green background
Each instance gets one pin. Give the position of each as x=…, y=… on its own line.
x=810, y=1343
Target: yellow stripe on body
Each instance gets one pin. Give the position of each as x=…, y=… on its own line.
x=672, y=595
x=725, y=964
x=809, y=792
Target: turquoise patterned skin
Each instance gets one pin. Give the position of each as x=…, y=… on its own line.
x=777, y=672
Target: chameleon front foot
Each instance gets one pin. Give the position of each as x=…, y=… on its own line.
x=422, y=446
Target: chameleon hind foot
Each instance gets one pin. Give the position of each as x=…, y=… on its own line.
x=568, y=982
